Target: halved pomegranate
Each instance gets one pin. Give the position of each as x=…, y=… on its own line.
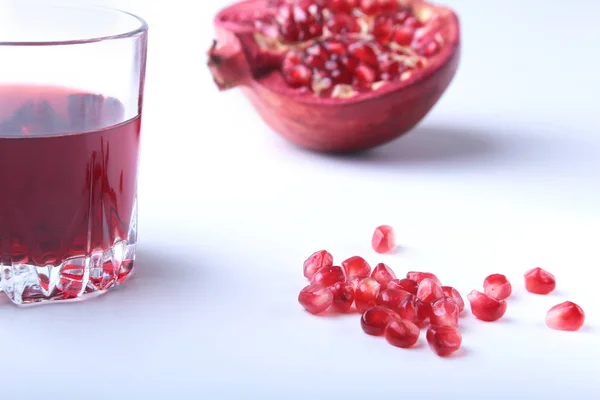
x=337, y=75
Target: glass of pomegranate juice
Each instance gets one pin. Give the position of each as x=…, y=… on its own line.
x=71, y=89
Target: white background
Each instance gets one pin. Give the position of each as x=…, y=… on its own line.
x=502, y=176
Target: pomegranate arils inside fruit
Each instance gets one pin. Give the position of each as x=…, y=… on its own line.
x=383, y=274
x=315, y=298
x=444, y=311
x=429, y=291
x=498, y=286
x=444, y=340
x=376, y=319
x=566, y=316
x=366, y=293
x=449, y=291
x=486, y=308
x=419, y=276
x=412, y=309
x=391, y=298
x=402, y=333
x=317, y=261
x=356, y=266
x=409, y=285
x=343, y=296
x=311, y=105
x=384, y=239
x=343, y=23
x=329, y=276
x=539, y=281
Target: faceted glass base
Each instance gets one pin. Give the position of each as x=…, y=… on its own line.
x=75, y=279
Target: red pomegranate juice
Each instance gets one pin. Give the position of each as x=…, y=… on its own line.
x=68, y=173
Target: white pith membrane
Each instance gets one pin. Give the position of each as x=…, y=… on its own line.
x=269, y=40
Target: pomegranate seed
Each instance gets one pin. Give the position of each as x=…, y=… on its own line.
x=299, y=76
x=355, y=280
x=364, y=77
x=449, y=291
x=366, y=293
x=334, y=47
x=343, y=296
x=343, y=23
x=356, y=266
x=383, y=274
x=486, y=308
x=342, y=76
x=412, y=309
x=539, y=281
x=383, y=238
x=376, y=319
x=404, y=35
x=430, y=49
x=383, y=28
x=364, y=53
x=444, y=340
x=444, y=311
x=413, y=22
x=329, y=276
x=391, y=298
x=315, y=298
x=316, y=261
x=402, y=333
x=369, y=7
x=404, y=284
x=429, y=291
x=566, y=316
x=342, y=6
x=419, y=276
x=291, y=59
x=496, y=285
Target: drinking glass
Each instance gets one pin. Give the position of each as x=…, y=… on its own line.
x=71, y=90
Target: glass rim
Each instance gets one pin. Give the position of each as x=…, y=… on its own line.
x=141, y=29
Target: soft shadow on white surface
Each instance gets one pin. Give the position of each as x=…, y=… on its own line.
x=435, y=144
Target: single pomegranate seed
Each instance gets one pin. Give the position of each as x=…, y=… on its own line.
x=496, y=285
x=364, y=53
x=391, y=298
x=383, y=238
x=315, y=298
x=486, y=308
x=316, y=261
x=370, y=7
x=412, y=309
x=539, y=281
x=402, y=333
x=341, y=75
x=413, y=22
x=316, y=57
x=334, y=47
x=365, y=76
x=455, y=295
x=366, y=293
x=566, y=316
x=356, y=266
x=291, y=59
x=355, y=280
x=404, y=35
x=383, y=28
x=343, y=296
x=376, y=319
x=343, y=23
x=342, y=6
x=444, y=311
x=299, y=76
x=329, y=276
x=419, y=276
x=404, y=284
x=430, y=49
x=350, y=64
x=444, y=340
x=383, y=274
x=429, y=291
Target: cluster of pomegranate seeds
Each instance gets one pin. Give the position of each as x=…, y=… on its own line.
x=338, y=48
x=399, y=308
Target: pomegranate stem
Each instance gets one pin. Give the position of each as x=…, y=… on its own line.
x=228, y=65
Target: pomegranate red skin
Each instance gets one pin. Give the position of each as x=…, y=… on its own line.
x=338, y=125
